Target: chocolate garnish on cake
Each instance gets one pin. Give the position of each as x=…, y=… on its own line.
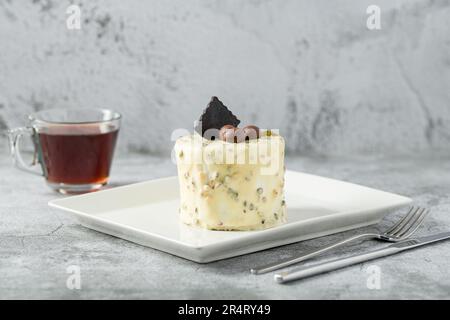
x=215, y=116
x=230, y=133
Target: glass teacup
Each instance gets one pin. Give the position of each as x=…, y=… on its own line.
x=74, y=147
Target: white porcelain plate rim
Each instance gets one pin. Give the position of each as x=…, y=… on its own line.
x=369, y=211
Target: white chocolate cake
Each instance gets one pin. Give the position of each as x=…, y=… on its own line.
x=230, y=178
x=217, y=194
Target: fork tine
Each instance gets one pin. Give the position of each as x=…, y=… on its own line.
x=410, y=223
x=415, y=225
x=406, y=218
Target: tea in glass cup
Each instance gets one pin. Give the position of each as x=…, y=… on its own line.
x=74, y=147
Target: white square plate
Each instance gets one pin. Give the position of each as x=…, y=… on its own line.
x=147, y=213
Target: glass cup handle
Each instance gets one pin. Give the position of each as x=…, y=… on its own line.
x=15, y=136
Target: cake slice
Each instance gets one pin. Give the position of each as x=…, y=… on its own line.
x=231, y=184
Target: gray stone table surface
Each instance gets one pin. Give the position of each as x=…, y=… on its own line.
x=38, y=243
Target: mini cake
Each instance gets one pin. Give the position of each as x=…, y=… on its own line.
x=230, y=178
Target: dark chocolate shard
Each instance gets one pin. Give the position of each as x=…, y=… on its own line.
x=215, y=116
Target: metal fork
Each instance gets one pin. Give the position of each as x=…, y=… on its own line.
x=399, y=231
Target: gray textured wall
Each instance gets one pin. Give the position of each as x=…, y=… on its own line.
x=310, y=68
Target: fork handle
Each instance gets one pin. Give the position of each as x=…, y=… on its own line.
x=310, y=254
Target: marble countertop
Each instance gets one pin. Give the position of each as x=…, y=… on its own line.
x=38, y=243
